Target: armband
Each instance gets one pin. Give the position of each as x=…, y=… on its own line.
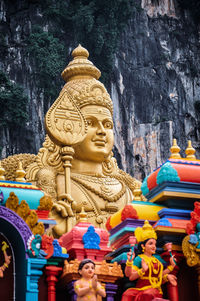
x=170, y=268
x=5, y=265
x=140, y=273
x=77, y=286
x=165, y=278
x=129, y=263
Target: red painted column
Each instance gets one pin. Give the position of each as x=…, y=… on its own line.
x=173, y=290
x=52, y=273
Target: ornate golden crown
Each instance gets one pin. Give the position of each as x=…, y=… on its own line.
x=82, y=83
x=145, y=232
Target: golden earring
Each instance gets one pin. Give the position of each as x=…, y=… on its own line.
x=143, y=248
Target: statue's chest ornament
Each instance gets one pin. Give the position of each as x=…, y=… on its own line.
x=105, y=189
x=104, y=186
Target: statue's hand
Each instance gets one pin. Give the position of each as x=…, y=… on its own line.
x=62, y=208
x=68, y=199
x=94, y=282
x=63, y=212
x=172, y=261
x=172, y=279
x=130, y=255
x=144, y=265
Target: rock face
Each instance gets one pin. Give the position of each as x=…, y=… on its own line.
x=155, y=84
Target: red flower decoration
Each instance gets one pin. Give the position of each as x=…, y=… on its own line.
x=190, y=229
x=197, y=208
x=195, y=218
x=128, y=212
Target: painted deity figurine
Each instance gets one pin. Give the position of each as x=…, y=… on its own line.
x=7, y=259
x=146, y=268
x=87, y=288
x=76, y=166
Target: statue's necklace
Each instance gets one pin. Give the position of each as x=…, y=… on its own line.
x=95, y=178
x=102, y=194
x=150, y=261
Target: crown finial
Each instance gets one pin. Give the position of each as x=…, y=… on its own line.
x=80, y=52
x=83, y=216
x=190, y=151
x=175, y=149
x=80, y=67
x=2, y=171
x=20, y=173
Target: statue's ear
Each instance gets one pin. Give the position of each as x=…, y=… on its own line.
x=143, y=247
x=109, y=165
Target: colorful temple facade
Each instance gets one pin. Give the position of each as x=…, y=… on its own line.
x=52, y=216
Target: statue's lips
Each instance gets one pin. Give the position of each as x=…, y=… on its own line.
x=100, y=142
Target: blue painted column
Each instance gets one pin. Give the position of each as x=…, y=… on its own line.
x=111, y=290
x=70, y=289
x=34, y=271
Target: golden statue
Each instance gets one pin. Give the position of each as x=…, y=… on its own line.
x=76, y=166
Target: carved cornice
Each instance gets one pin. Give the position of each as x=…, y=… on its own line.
x=106, y=272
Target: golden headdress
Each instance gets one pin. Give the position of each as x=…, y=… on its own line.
x=82, y=83
x=145, y=232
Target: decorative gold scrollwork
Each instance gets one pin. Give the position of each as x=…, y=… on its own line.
x=190, y=252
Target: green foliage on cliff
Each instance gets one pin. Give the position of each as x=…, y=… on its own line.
x=95, y=24
x=13, y=103
x=48, y=60
x=98, y=25
x=193, y=6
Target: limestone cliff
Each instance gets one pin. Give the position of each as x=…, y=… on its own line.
x=155, y=83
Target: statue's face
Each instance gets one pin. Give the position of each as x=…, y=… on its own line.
x=87, y=270
x=99, y=140
x=150, y=246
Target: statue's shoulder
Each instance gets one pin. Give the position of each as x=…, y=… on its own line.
x=47, y=160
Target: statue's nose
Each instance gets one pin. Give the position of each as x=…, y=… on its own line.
x=100, y=129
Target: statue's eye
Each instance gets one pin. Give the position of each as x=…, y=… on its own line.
x=89, y=122
x=108, y=125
